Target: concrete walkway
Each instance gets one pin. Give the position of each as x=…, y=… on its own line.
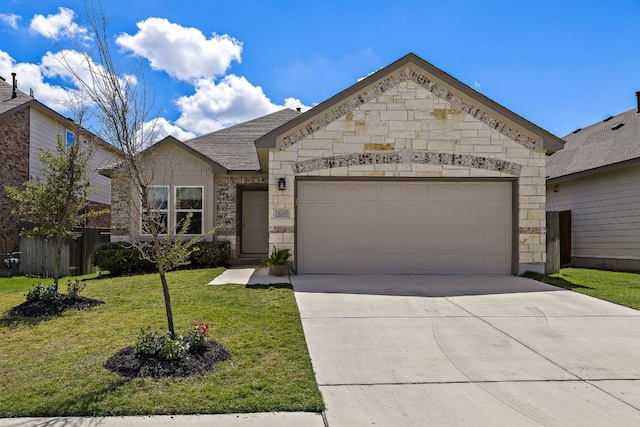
x=468, y=351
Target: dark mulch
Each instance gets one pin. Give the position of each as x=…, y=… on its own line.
x=52, y=308
x=129, y=364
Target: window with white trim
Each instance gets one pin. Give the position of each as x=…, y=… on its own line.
x=70, y=138
x=158, y=212
x=189, y=199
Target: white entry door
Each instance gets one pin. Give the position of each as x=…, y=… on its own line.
x=255, y=222
x=391, y=227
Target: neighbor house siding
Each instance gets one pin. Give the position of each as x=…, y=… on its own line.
x=44, y=134
x=409, y=132
x=605, y=224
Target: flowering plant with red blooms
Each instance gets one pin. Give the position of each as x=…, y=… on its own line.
x=198, y=334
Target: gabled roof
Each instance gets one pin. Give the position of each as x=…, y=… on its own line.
x=169, y=140
x=435, y=80
x=612, y=142
x=10, y=105
x=234, y=147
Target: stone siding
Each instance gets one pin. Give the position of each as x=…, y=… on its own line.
x=100, y=221
x=121, y=207
x=14, y=170
x=409, y=126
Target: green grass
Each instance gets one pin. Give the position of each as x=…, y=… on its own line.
x=619, y=288
x=52, y=366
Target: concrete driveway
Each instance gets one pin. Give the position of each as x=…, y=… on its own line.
x=468, y=351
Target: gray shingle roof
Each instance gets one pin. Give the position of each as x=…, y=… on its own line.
x=8, y=104
x=601, y=144
x=234, y=147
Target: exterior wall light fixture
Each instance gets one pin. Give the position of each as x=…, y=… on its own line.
x=282, y=184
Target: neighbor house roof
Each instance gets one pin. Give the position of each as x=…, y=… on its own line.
x=474, y=102
x=234, y=147
x=10, y=105
x=612, y=142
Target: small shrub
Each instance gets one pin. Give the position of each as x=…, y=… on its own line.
x=120, y=259
x=173, y=349
x=198, y=335
x=74, y=288
x=150, y=343
x=41, y=292
x=147, y=342
x=211, y=254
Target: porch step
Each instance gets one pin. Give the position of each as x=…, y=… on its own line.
x=247, y=260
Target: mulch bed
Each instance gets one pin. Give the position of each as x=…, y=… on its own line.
x=52, y=308
x=129, y=364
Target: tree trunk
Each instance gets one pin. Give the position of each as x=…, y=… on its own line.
x=58, y=261
x=167, y=301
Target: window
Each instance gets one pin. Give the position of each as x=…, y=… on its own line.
x=159, y=210
x=70, y=137
x=189, y=200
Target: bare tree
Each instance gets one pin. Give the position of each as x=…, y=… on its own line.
x=122, y=106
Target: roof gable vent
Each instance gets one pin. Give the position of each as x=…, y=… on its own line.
x=618, y=126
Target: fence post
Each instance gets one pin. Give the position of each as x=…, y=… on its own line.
x=553, y=243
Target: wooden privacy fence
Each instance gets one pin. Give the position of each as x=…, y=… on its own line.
x=558, y=241
x=38, y=254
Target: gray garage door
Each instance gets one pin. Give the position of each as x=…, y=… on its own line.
x=390, y=227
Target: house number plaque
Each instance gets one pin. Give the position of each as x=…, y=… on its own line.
x=282, y=213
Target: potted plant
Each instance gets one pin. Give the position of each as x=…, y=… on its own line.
x=277, y=261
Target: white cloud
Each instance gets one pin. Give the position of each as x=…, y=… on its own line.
x=476, y=85
x=230, y=101
x=161, y=128
x=60, y=25
x=295, y=103
x=183, y=52
x=10, y=19
x=30, y=76
x=57, y=65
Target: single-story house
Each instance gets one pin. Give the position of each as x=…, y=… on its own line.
x=596, y=177
x=407, y=171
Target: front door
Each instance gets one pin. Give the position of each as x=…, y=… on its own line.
x=255, y=222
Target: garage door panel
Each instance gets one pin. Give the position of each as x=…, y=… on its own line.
x=413, y=227
x=417, y=192
x=419, y=241
x=392, y=240
x=444, y=215
x=338, y=191
x=364, y=191
x=314, y=192
x=418, y=216
x=314, y=215
x=390, y=191
x=392, y=214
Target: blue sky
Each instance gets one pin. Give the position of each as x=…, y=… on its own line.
x=213, y=63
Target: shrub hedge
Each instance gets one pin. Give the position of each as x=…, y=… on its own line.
x=122, y=259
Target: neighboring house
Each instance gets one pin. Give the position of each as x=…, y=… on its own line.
x=597, y=178
x=407, y=171
x=26, y=125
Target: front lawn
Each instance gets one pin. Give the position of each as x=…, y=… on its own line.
x=52, y=366
x=616, y=287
